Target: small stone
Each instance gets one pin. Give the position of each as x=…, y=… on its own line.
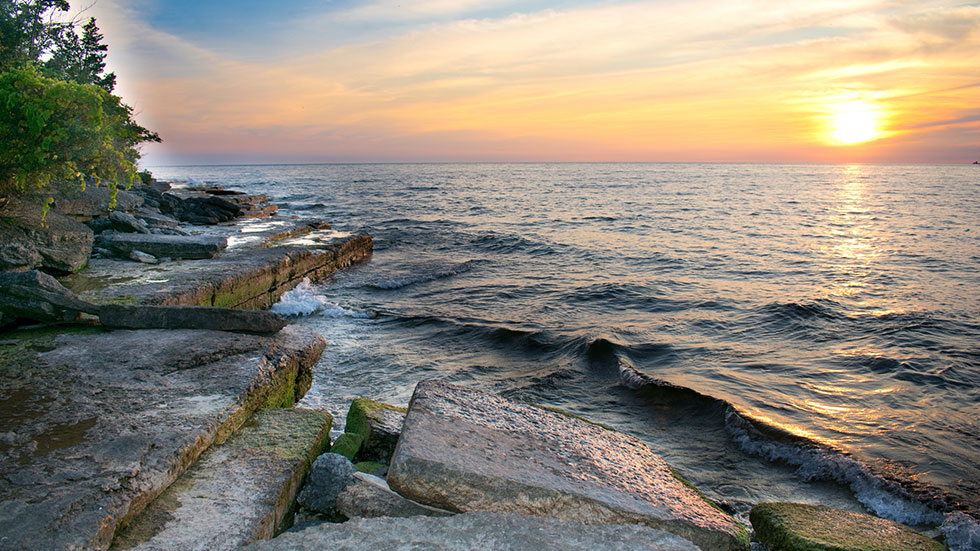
x=140, y=256
x=330, y=474
x=800, y=527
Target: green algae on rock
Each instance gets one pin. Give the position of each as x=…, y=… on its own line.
x=379, y=425
x=347, y=445
x=800, y=527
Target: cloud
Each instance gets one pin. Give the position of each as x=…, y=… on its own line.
x=650, y=80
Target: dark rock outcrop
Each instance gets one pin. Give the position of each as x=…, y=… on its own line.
x=127, y=223
x=163, y=246
x=30, y=239
x=190, y=317
x=36, y=296
x=94, y=202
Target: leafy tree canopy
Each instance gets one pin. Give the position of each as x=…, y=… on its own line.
x=59, y=121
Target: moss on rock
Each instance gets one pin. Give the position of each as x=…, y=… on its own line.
x=362, y=410
x=800, y=527
x=347, y=445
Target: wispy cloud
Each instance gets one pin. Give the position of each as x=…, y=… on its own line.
x=639, y=80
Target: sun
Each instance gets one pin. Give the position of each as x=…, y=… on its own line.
x=853, y=123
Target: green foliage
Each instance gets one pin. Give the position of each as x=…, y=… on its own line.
x=54, y=131
x=59, y=122
x=27, y=31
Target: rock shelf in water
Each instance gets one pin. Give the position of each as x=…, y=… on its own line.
x=466, y=450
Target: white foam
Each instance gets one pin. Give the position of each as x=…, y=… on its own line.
x=886, y=499
x=303, y=300
x=962, y=532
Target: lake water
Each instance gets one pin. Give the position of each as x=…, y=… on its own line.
x=777, y=332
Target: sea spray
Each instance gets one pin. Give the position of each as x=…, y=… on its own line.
x=303, y=300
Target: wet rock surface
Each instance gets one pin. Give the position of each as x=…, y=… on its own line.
x=799, y=527
x=94, y=424
x=238, y=492
x=190, y=317
x=500, y=532
x=467, y=450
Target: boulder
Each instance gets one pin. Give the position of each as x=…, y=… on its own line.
x=94, y=202
x=208, y=210
x=190, y=317
x=799, y=527
x=961, y=531
x=163, y=246
x=370, y=496
x=330, y=474
x=466, y=450
x=127, y=223
x=499, y=532
x=140, y=256
x=379, y=425
x=30, y=239
x=37, y=296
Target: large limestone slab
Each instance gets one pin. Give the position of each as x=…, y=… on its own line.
x=499, y=532
x=95, y=424
x=466, y=450
x=163, y=246
x=800, y=527
x=379, y=426
x=253, y=278
x=190, y=317
x=238, y=492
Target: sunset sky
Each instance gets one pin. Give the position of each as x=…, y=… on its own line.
x=501, y=80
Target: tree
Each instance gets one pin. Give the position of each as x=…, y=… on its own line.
x=60, y=132
x=27, y=30
x=81, y=60
x=59, y=122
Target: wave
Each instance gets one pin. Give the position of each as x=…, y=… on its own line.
x=400, y=282
x=303, y=300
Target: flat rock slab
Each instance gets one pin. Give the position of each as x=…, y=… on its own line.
x=238, y=492
x=800, y=527
x=499, y=532
x=95, y=424
x=163, y=246
x=190, y=317
x=37, y=296
x=467, y=450
x=253, y=278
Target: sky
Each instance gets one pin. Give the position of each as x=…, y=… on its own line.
x=256, y=81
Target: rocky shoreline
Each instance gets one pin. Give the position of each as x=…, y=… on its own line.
x=153, y=408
